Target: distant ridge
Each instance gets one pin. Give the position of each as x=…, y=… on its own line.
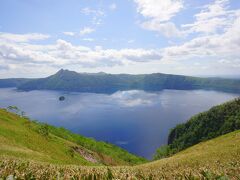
x=66, y=80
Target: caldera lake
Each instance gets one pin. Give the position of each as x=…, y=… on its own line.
x=137, y=121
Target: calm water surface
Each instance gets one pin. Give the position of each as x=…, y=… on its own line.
x=135, y=120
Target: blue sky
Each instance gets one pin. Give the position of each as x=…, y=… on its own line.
x=38, y=37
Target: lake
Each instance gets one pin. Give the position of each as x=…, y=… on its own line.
x=138, y=121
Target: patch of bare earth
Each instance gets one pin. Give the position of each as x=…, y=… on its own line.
x=89, y=156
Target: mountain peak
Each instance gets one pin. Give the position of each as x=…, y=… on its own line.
x=62, y=71
x=65, y=72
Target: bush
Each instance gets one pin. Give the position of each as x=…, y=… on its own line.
x=162, y=152
x=44, y=130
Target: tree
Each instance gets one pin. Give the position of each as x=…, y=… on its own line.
x=162, y=152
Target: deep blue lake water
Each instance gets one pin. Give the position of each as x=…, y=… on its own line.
x=135, y=120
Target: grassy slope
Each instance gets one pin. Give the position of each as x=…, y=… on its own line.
x=25, y=153
x=20, y=138
x=219, y=157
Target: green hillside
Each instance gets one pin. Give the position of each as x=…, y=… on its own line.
x=218, y=158
x=217, y=121
x=22, y=138
x=31, y=150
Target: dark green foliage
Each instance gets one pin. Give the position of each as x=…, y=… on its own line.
x=16, y=110
x=162, y=152
x=109, y=83
x=217, y=121
x=109, y=174
x=43, y=129
x=71, y=152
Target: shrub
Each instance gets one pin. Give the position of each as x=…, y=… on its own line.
x=162, y=152
x=44, y=130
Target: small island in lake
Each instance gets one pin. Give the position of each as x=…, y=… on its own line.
x=61, y=98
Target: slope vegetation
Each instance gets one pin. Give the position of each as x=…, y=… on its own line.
x=22, y=138
x=217, y=121
x=29, y=150
x=218, y=158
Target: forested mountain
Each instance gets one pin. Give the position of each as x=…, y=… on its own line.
x=13, y=82
x=108, y=83
x=217, y=121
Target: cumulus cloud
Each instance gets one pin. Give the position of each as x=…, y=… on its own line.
x=226, y=44
x=215, y=38
x=64, y=53
x=168, y=29
x=158, y=14
x=212, y=18
x=158, y=9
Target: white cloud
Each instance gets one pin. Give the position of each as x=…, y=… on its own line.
x=168, y=29
x=96, y=15
x=225, y=45
x=63, y=53
x=158, y=14
x=69, y=33
x=22, y=37
x=158, y=9
x=217, y=8
x=215, y=44
x=212, y=18
x=113, y=6
x=89, y=11
x=86, y=30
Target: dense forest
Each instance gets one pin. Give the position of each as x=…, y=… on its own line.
x=217, y=121
x=65, y=80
